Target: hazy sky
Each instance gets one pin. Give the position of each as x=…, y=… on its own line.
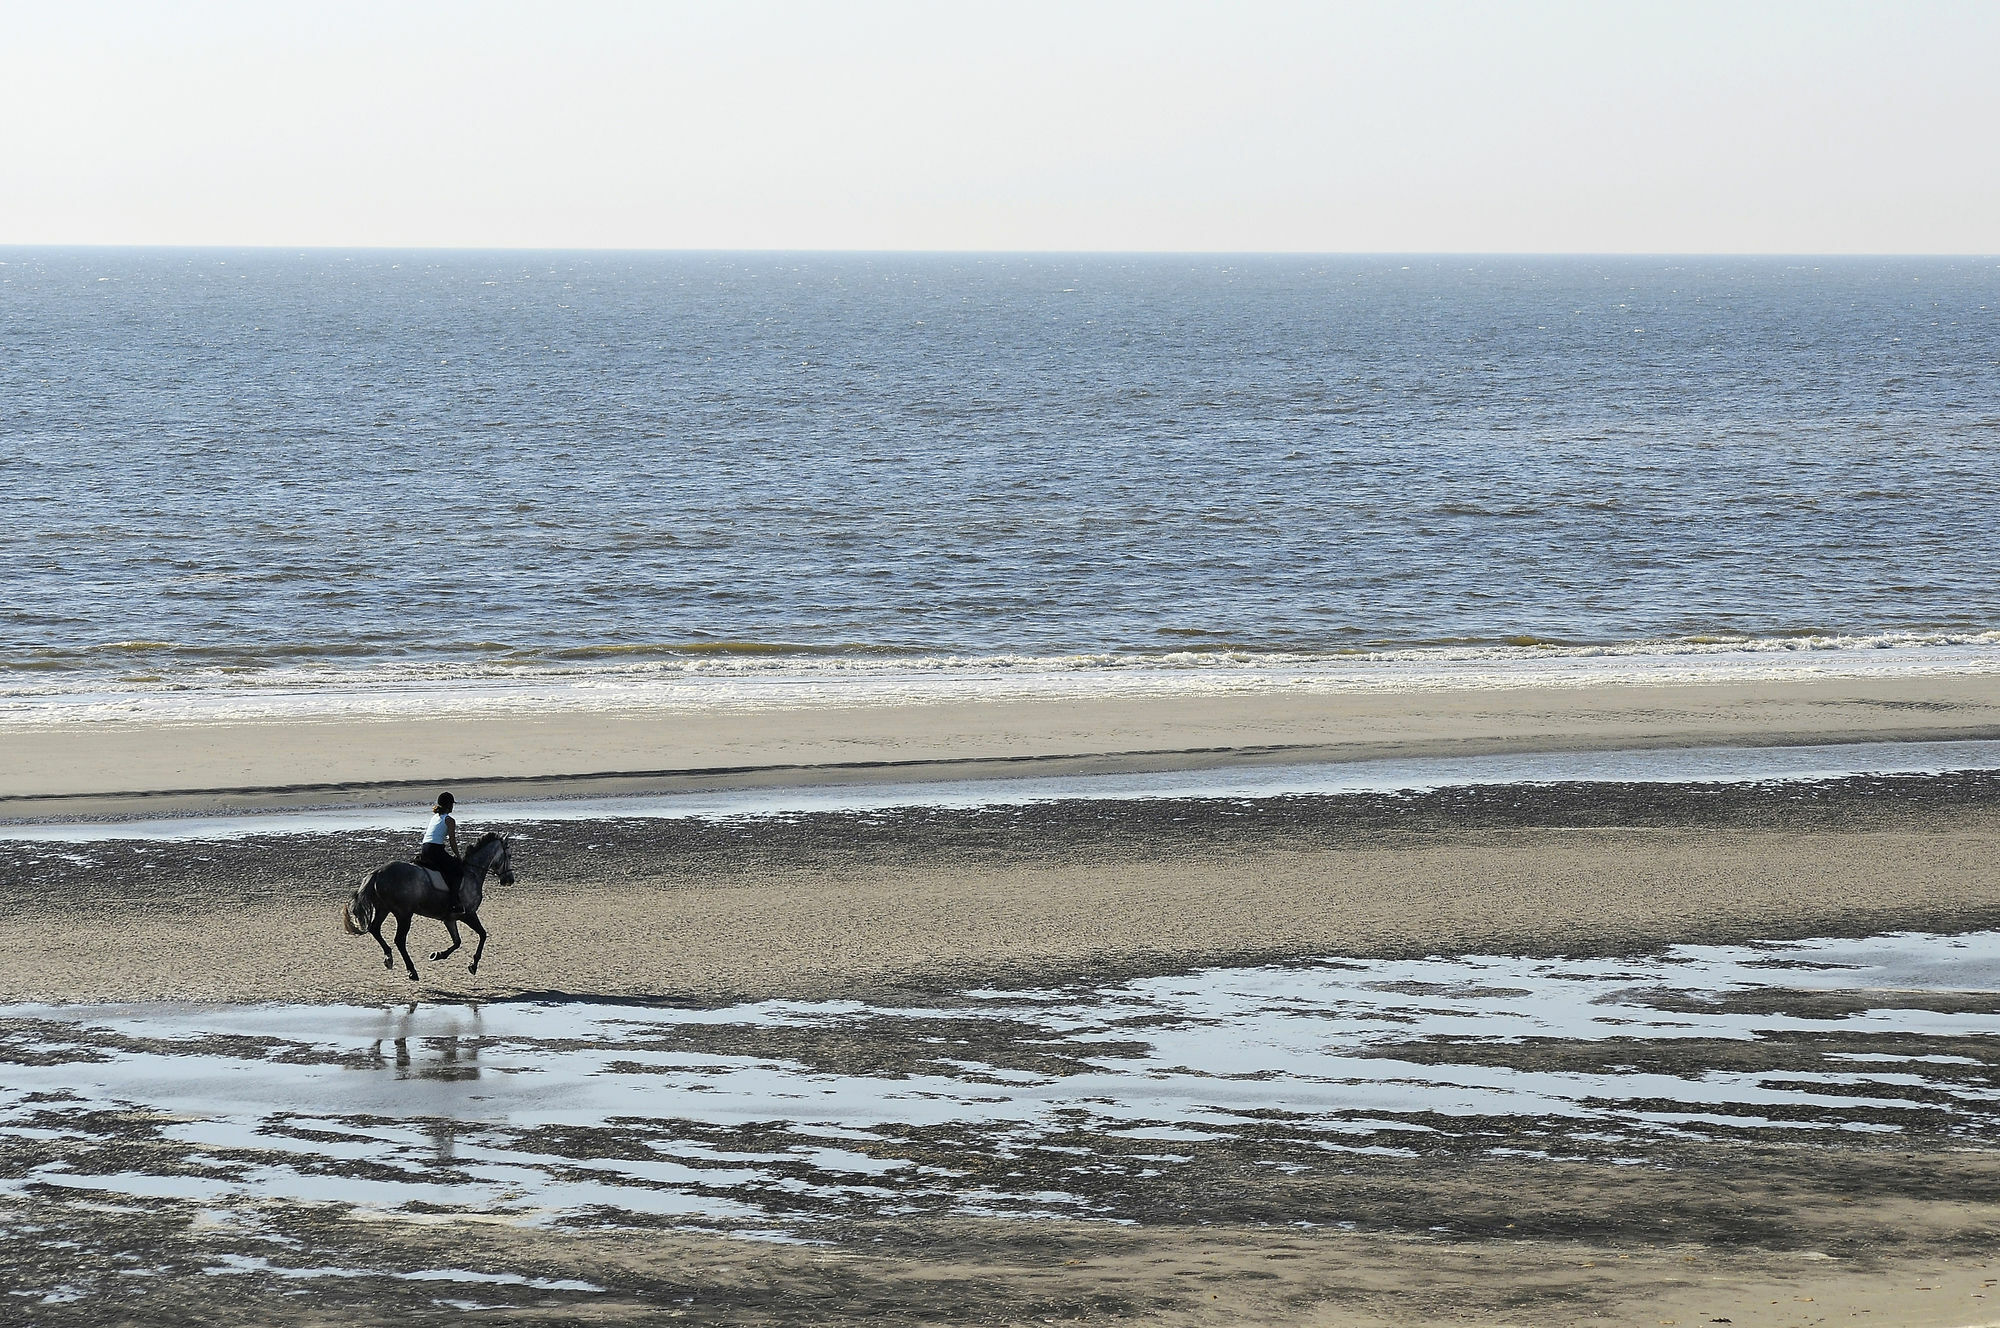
x=1615, y=125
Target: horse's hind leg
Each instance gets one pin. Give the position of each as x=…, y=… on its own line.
x=472, y=920
x=452, y=927
x=375, y=930
x=403, y=935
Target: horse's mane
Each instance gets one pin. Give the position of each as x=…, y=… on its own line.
x=488, y=838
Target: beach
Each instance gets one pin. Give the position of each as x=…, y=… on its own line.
x=827, y=904
x=824, y=902
x=167, y=759
x=887, y=918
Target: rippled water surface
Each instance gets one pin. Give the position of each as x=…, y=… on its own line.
x=220, y=461
x=1107, y=1102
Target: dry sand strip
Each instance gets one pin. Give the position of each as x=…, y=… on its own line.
x=842, y=904
x=85, y=769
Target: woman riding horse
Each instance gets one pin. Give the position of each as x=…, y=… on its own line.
x=433, y=854
x=406, y=890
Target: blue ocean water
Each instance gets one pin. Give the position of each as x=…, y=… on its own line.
x=256, y=459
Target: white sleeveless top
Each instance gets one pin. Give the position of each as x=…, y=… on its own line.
x=436, y=834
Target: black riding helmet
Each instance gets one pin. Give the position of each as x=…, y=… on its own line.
x=443, y=803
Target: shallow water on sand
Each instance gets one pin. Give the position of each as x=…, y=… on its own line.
x=1692, y=765
x=1101, y=1102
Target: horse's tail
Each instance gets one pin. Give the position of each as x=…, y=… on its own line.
x=365, y=893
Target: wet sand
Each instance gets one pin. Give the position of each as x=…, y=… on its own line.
x=1008, y=1272
x=1752, y=1228
x=831, y=904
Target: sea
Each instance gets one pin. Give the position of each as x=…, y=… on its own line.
x=274, y=481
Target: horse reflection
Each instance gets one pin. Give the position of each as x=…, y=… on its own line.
x=449, y=1059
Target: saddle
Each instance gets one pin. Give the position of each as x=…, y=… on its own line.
x=434, y=864
x=454, y=887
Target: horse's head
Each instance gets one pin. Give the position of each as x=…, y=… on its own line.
x=491, y=853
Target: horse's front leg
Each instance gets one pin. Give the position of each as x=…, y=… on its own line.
x=451, y=927
x=472, y=921
x=402, y=935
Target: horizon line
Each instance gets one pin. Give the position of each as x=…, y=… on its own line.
x=218, y=247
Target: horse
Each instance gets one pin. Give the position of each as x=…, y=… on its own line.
x=405, y=889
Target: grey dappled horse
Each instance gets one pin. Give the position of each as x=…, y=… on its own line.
x=403, y=889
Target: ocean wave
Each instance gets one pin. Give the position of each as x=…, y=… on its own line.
x=732, y=676
x=1196, y=648
x=671, y=650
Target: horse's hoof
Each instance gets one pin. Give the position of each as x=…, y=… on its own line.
x=439, y=955
x=413, y=977
x=388, y=963
x=472, y=968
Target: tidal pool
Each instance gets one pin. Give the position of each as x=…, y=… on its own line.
x=1095, y=1102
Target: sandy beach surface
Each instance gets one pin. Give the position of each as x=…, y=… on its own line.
x=1879, y=1217
x=86, y=768
x=837, y=904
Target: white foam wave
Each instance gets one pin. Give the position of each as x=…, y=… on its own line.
x=783, y=682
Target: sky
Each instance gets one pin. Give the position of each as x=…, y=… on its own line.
x=1752, y=126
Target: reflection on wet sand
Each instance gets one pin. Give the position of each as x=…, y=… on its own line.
x=448, y=1058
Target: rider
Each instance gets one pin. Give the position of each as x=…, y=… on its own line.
x=432, y=852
